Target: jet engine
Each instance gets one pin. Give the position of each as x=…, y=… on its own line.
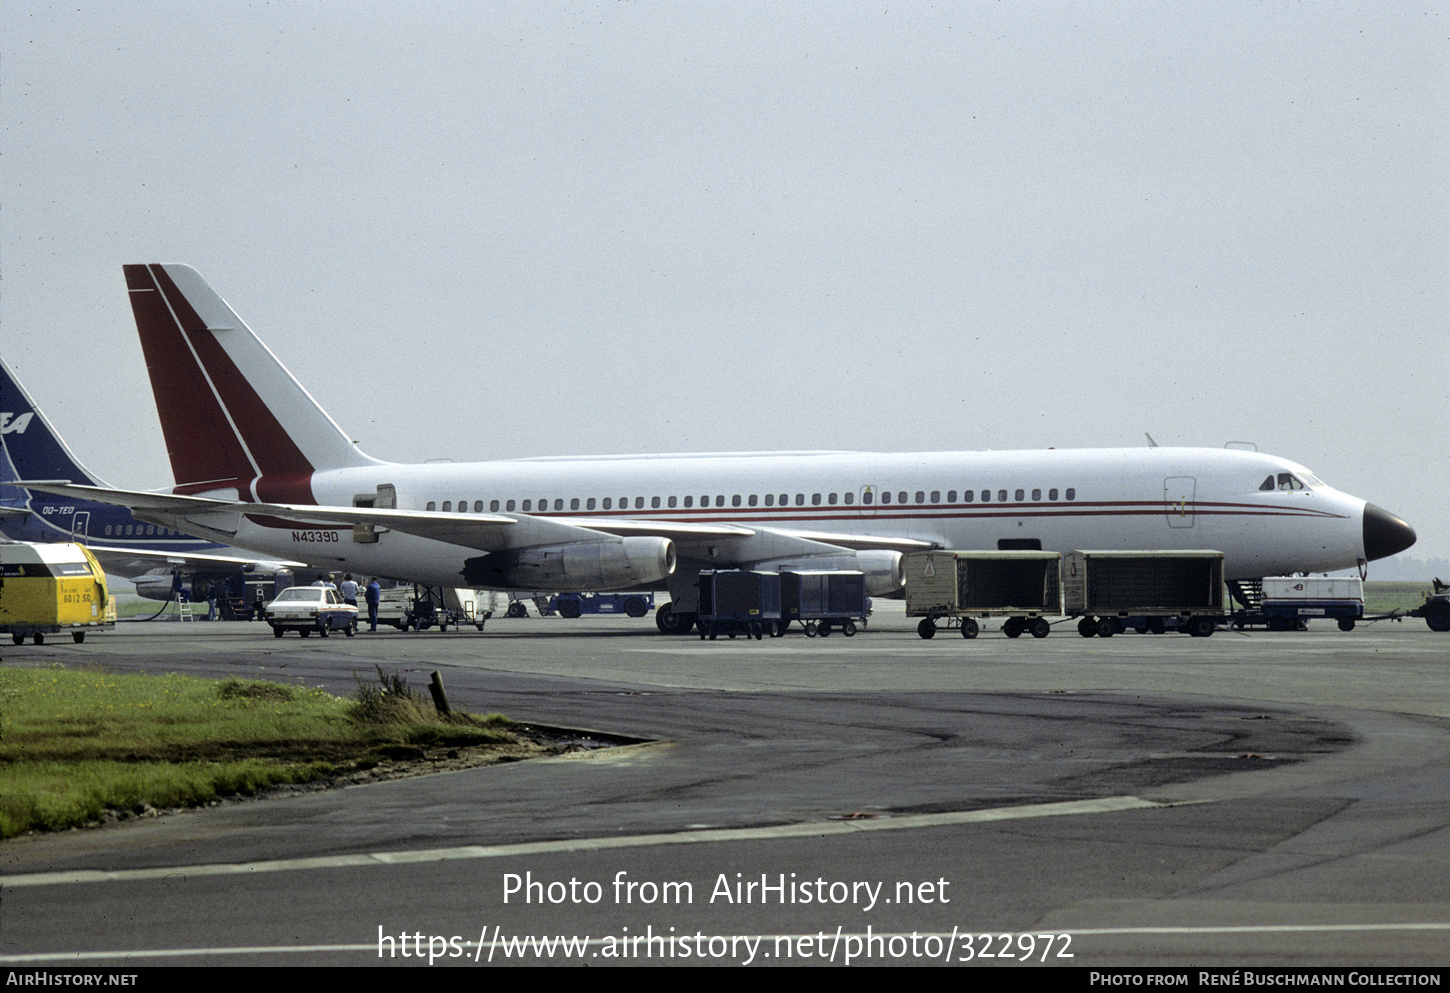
x=885, y=575
x=585, y=565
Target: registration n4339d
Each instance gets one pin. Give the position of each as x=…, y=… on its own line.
x=314, y=536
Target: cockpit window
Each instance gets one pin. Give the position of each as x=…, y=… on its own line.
x=1268, y=483
x=1289, y=481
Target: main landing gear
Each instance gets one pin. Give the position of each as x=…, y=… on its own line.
x=670, y=622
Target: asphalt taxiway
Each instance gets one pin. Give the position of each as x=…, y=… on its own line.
x=1246, y=799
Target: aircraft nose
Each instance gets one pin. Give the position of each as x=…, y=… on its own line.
x=1384, y=533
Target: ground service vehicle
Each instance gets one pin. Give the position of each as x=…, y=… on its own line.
x=578, y=604
x=1291, y=601
x=1105, y=588
x=306, y=609
x=49, y=588
x=949, y=588
x=1436, y=609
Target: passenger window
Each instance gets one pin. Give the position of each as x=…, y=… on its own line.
x=1019, y=496
x=831, y=499
x=1052, y=494
x=815, y=499
x=720, y=500
x=1036, y=495
x=770, y=499
x=951, y=496
x=1001, y=496
x=589, y=504
x=920, y=496
x=673, y=500
x=528, y=505
x=885, y=496
x=447, y=506
x=1071, y=493
x=901, y=497
x=784, y=499
x=868, y=497
x=573, y=503
x=800, y=499
x=735, y=500
x=493, y=506
x=654, y=502
x=753, y=499
x=986, y=496
x=968, y=496
x=608, y=503
x=850, y=498
x=936, y=496
x=689, y=501
x=639, y=503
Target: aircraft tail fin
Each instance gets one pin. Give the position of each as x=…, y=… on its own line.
x=232, y=415
x=32, y=449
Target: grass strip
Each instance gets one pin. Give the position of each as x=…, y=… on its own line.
x=76, y=743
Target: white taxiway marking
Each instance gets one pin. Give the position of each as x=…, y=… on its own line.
x=1105, y=805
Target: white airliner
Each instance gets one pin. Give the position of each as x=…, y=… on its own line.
x=260, y=465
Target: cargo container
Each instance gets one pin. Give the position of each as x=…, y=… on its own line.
x=49, y=588
x=1155, y=589
x=737, y=602
x=952, y=588
x=824, y=600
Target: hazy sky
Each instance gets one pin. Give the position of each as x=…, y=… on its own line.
x=483, y=230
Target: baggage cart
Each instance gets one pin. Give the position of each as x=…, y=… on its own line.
x=824, y=600
x=736, y=602
x=947, y=588
x=1158, y=589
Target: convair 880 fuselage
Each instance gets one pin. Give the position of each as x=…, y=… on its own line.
x=259, y=465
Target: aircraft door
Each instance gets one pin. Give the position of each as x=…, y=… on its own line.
x=385, y=498
x=866, y=501
x=80, y=526
x=1178, y=506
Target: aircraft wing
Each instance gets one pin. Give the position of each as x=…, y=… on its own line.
x=861, y=542
x=120, y=560
x=485, y=532
x=495, y=532
x=686, y=534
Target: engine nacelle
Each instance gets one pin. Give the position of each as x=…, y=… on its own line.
x=885, y=575
x=584, y=565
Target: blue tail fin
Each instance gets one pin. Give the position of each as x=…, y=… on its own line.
x=33, y=449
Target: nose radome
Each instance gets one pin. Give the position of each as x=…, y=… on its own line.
x=1384, y=533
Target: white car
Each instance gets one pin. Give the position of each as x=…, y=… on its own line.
x=305, y=609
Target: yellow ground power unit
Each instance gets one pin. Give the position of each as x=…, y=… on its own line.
x=49, y=588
